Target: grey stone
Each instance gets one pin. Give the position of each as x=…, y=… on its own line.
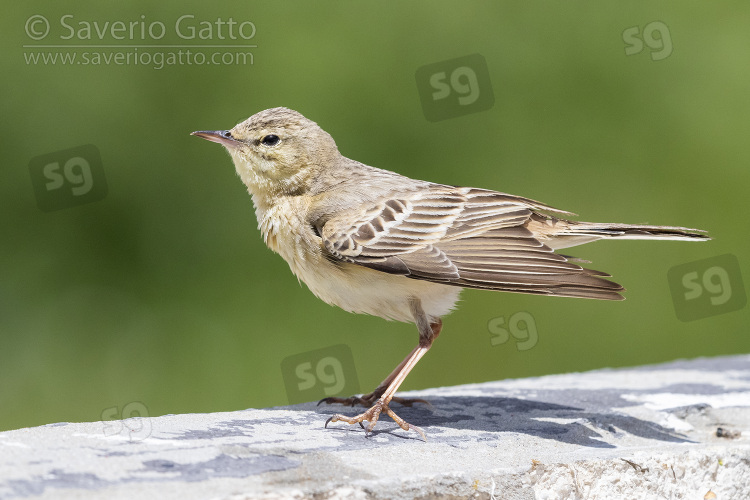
x=676, y=430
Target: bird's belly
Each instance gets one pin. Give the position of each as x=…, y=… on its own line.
x=362, y=290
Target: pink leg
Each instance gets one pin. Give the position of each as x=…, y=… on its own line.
x=428, y=332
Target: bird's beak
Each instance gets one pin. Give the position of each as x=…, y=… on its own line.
x=223, y=137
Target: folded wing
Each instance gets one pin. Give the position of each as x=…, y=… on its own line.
x=465, y=237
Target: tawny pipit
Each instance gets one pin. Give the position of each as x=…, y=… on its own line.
x=375, y=242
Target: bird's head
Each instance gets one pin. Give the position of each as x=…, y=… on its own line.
x=276, y=151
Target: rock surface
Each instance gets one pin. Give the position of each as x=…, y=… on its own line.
x=678, y=430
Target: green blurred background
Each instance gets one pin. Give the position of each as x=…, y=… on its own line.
x=164, y=293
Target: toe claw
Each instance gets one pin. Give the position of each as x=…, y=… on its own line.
x=420, y=431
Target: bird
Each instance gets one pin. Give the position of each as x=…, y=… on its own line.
x=375, y=242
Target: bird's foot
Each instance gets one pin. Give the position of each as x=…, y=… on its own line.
x=373, y=414
x=410, y=401
x=367, y=400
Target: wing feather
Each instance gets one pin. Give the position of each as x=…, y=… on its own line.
x=464, y=237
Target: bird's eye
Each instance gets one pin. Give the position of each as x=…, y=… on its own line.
x=270, y=140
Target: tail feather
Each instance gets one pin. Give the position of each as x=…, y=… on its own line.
x=635, y=231
x=578, y=233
